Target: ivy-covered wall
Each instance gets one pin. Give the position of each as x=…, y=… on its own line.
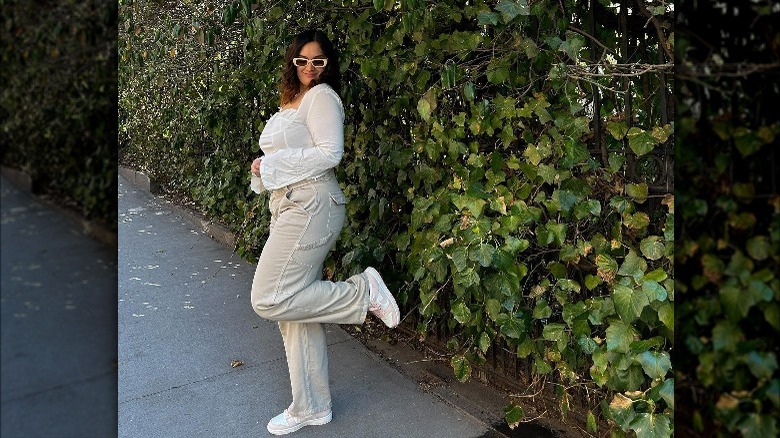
x=498, y=168
x=728, y=247
x=58, y=101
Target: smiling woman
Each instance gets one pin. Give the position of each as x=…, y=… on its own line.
x=301, y=69
x=307, y=207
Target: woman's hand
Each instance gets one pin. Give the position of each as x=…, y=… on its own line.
x=256, y=166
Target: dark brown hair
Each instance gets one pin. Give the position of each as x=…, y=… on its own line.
x=290, y=85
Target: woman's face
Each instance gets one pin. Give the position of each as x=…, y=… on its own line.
x=309, y=73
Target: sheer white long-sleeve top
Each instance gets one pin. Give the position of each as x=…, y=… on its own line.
x=305, y=142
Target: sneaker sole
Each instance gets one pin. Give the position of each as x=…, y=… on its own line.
x=396, y=312
x=313, y=422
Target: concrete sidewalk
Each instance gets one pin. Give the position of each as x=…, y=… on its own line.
x=185, y=317
x=58, y=323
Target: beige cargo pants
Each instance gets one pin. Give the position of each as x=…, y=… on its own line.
x=306, y=219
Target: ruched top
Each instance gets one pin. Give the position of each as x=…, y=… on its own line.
x=305, y=142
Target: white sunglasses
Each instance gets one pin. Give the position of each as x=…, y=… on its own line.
x=316, y=62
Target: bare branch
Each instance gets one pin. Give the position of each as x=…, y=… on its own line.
x=662, y=40
x=592, y=38
x=735, y=69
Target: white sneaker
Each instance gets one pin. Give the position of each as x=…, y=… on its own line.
x=285, y=423
x=382, y=303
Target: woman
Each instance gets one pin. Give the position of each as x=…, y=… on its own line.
x=302, y=143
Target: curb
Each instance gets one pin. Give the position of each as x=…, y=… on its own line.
x=99, y=232
x=139, y=179
x=18, y=178
x=216, y=231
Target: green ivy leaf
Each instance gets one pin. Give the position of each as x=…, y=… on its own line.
x=616, y=162
x=588, y=345
x=542, y=310
x=654, y=291
x=759, y=248
x=652, y=426
x=572, y=46
x=513, y=328
x=525, y=348
x=426, y=105
x=529, y=47
x=633, y=266
x=461, y=312
x=637, y=221
x=655, y=364
x=735, y=303
x=658, y=275
x=762, y=364
x=772, y=315
x=513, y=415
x=565, y=199
x=484, y=342
x=726, y=336
x=621, y=408
x=665, y=391
x=760, y=291
x=661, y=134
x=541, y=366
x=591, y=425
x=640, y=141
x=424, y=108
x=739, y=266
x=746, y=141
x=607, y=267
x=510, y=9
x=619, y=337
x=573, y=311
x=469, y=277
x=462, y=367
x=558, y=232
x=460, y=258
x=629, y=303
x=470, y=203
x=638, y=192
x=487, y=18
x=618, y=129
x=652, y=247
x=493, y=308
x=712, y=267
x=591, y=281
x=666, y=315
x=532, y=154
x=482, y=254
x=553, y=332
x=758, y=426
x=498, y=71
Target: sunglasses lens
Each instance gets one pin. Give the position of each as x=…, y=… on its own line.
x=299, y=62
x=318, y=62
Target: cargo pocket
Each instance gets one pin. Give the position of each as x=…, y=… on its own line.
x=336, y=212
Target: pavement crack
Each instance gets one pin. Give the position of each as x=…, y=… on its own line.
x=205, y=379
x=57, y=387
